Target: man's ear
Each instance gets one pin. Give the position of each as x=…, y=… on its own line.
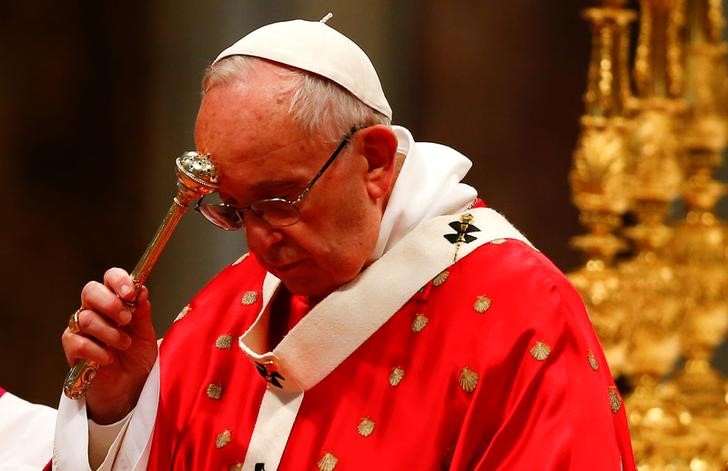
x=378, y=145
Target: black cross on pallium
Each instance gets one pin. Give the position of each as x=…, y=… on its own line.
x=269, y=373
x=463, y=229
x=259, y=466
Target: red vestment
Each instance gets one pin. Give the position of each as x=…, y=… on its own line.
x=494, y=365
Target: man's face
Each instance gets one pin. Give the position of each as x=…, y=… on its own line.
x=261, y=153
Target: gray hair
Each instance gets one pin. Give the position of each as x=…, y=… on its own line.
x=317, y=105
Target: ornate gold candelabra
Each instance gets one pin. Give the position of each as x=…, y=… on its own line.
x=649, y=281
x=671, y=296
x=698, y=249
x=650, y=291
x=598, y=176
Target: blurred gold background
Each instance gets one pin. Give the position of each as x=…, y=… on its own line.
x=97, y=99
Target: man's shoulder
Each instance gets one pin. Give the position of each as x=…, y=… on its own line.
x=508, y=283
x=509, y=260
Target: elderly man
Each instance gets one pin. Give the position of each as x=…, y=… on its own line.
x=383, y=319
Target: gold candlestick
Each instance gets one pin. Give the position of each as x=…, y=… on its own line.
x=649, y=285
x=671, y=296
x=699, y=248
x=598, y=177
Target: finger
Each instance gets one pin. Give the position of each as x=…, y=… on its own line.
x=119, y=281
x=77, y=347
x=101, y=299
x=98, y=328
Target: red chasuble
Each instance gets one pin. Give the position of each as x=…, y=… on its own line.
x=492, y=365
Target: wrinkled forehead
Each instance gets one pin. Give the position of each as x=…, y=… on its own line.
x=253, y=140
x=235, y=116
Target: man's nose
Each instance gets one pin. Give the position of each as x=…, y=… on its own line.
x=262, y=235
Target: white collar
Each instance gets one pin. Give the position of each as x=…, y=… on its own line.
x=428, y=185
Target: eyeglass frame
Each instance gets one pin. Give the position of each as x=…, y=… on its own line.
x=292, y=203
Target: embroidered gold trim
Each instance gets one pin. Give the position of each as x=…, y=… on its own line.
x=183, y=312
x=440, y=278
x=396, y=376
x=615, y=402
x=592, y=360
x=236, y=467
x=328, y=462
x=468, y=379
x=223, y=438
x=224, y=342
x=214, y=391
x=250, y=297
x=365, y=427
x=419, y=322
x=482, y=304
x=540, y=351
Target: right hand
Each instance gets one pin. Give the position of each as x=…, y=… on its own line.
x=122, y=342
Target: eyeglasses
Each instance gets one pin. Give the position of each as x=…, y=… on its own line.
x=277, y=212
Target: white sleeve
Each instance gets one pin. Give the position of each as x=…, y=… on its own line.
x=26, y=434
x=101, y=438
x=130, y=438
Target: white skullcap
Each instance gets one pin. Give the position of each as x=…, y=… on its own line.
x=317, y=48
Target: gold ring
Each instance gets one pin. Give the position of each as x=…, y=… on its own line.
x=73, y=324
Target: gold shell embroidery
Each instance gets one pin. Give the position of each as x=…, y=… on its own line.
x=482, y=304
x=440, y=279
x=615, y=402
x=249, y=297
x=223, y=438
x=365, y=427
x=183, y=312
x=214, y=391
x=540, y=351
x=396, y=376
x=468, y=379
x=224, y=342
x=328, y=462
x=419, y=322
x=592, y=360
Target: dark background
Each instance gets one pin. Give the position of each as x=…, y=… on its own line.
x=98, y=98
